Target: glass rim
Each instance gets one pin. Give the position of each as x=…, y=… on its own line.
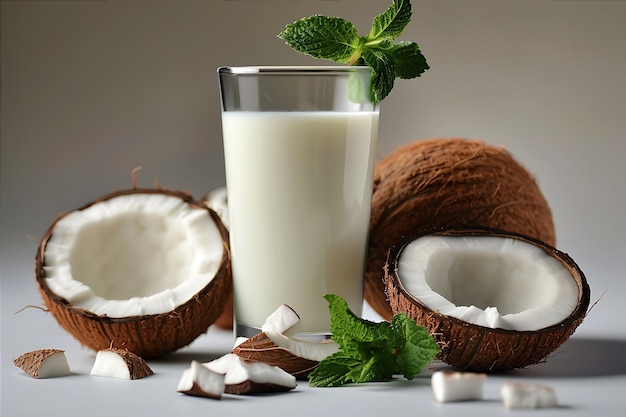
x=292, y=69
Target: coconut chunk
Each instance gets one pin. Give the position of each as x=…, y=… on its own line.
x=527, y=395
x=281, y=320
x=43, y=363
x=200, y=381
x=222, y=364
x=247, y=378
x=457, y=386
x=297, y=356
x=294, y=357
x=121, y=364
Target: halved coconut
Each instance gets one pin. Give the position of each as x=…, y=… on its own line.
x=450, y=183
x=494, y=300
x=142, y=270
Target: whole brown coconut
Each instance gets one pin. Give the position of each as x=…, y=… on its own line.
x=479, y=348
x=448, y=182
x=110, y=242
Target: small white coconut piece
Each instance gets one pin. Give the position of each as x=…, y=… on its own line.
x=200, y=381
x=248, y=378
x=121, y=364
x=458, y=386
x=222, y=364
x=517, y=395
x=43, y=363
x=281, y=320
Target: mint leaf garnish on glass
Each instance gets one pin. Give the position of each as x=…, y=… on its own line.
x=337, y=39
x=370, y=351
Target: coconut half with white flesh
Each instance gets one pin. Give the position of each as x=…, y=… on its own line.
x=494, y=300
x=143, y=270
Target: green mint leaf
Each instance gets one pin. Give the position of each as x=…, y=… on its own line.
x=408, y=60
x=337, y=39
x=323, y=37
x=390, y=24
x=377, y=368
x=371, y=351
x=419, y=348
x=383, y=73
x=351, y=331
x=332, y=371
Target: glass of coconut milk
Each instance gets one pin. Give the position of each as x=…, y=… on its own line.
x=299, y=147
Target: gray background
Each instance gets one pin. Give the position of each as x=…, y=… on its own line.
x=92, y=89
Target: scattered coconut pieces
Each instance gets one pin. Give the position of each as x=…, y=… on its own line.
x=241, y=377
x=451, y=386
x=43, y=363
x=458, y=386
x=247, y=378
x=120, y=363
x=516, y=395
x=261, y=348
x=200, y=381
x=297, y=356
x=259, y=377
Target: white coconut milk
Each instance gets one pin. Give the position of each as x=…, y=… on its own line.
x=299, y=195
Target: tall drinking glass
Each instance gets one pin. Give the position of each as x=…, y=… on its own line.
x=299, y=148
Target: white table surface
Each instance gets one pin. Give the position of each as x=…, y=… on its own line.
x=588, y=373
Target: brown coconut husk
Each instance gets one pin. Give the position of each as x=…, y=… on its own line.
x=260, y=348
x=481, y=349
x=150, y=335
x=448, y=182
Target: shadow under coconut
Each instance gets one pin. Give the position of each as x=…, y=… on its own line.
x=186, y=356
x=579, y=358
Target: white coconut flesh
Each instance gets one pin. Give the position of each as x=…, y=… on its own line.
x=494, y=282
x=133, y=255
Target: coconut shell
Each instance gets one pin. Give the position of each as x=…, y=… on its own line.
x=482, y=349
x=31, y=362
x=443, y=183
x=148, y=336
x=138, y=368
x=260, y=348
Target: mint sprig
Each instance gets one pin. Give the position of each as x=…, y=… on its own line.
x=337, y=39
x=371, y=351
